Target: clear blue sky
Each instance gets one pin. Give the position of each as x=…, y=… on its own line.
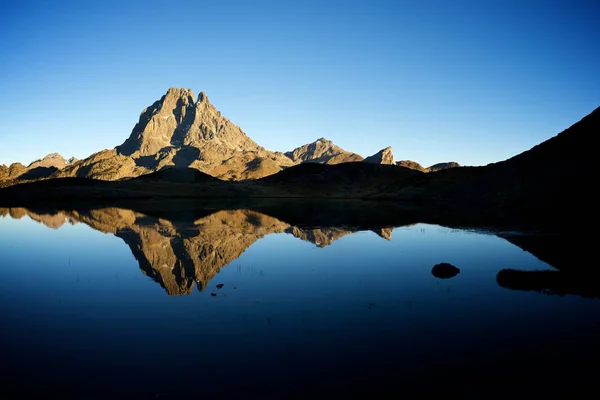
x=469, y=81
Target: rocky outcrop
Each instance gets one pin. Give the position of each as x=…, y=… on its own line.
x=52, y=160
x=383, y=156
x=322, y=151
x=442, y=166
x=412, y=165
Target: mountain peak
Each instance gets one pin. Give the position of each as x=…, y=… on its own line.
x=321, y=151
x=383, y=156
x=183, y=131
x=52, y=160
x=178, y=120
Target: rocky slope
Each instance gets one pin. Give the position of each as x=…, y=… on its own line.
x=322, y=151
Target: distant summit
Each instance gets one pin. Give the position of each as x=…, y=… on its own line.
x=40, y=168
x=52, y=160
x=322, y=151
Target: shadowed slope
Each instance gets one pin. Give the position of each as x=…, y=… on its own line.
x=550, y=184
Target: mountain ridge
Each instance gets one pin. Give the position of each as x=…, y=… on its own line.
x=184, y=131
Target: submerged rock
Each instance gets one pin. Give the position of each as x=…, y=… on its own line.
x=444, y=271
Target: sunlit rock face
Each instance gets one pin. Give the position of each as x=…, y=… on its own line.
x=181, y=130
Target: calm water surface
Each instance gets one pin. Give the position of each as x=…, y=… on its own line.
x=112, y=303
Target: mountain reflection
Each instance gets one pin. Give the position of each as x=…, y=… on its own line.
x=182, y=248
x=569, y=254
x=182, y=254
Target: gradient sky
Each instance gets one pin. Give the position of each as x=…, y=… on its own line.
x=469, y=81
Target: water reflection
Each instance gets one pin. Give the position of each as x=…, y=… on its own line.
x=569, y=254
x=187, y=252
x=182, y=254
x=284, y=309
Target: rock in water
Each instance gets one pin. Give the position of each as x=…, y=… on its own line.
x=444, y=271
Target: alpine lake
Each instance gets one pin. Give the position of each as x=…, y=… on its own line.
x=112, y=302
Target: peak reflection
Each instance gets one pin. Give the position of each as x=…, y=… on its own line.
x=187, y=252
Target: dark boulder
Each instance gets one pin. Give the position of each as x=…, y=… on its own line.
x=444, y=271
